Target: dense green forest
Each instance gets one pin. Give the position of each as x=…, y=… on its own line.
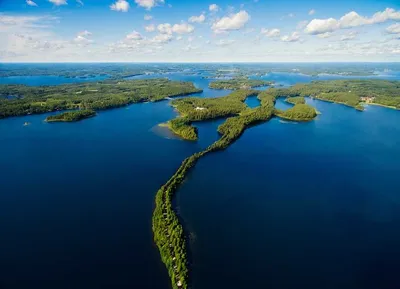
x=96, y=96
x=300, y=112
x=350, y=92
x=70, y=116
x=238, y=83
x=182, y=127
x=199, y=109
x=296, y=100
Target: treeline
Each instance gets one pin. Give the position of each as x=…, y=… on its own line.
x=96, y=96
x=238, y=83
x=71, y=116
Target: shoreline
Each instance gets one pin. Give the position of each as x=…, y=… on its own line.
x=382, y=105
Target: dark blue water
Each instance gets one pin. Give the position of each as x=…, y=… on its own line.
x=289, y=205
x=252, y=101
x=47, y=80
x=310, y=205
x=76, y=199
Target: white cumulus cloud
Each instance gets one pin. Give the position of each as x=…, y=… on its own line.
x=271, y=32
x=319, y=26
x=213, y=8
x=162, y=38
x=311, y=12
x=197, y=19
x=31, y=3
x=120, y=5
x=147, y=17
x=325, y=35
x=134, y=35
x=182, y=28
x=350, y=36
x=59, y=2
x=165, y=28
x=294, y=37
x=148, y=4
x=393, y=29
x=232, y=22
x=83, y=38
x=150, y=28
x=349, y=20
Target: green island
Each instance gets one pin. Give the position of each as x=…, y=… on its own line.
x=296, y=100
x=299, y=112
x=238, y=83
x=71, y=116
x=94, y=96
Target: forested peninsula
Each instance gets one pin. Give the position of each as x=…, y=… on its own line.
x=95, y=96
x=71, y=116
x=352, y=93
x=168, y=232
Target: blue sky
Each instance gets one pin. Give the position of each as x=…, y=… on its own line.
x=199, y=31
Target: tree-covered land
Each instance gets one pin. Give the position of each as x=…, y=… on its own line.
x=351, y=92
x=168, y=232
x=95, y=96
x=195, y=109
x=296, y=100
x=299, y=112
x=238, y=83
x=182, y=127
x=71, y=116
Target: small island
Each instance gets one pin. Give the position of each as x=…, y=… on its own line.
x=71, y=116
x=239, y=83
x=299, y=112
x=296, y=100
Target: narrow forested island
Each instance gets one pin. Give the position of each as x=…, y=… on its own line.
x=238, y=83
x=296, y=100
x=95, y=96
x=168, y=232
x=71, y=116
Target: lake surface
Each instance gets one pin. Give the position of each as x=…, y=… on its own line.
x=289, y=205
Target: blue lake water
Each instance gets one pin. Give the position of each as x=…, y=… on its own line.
x=289, y=205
